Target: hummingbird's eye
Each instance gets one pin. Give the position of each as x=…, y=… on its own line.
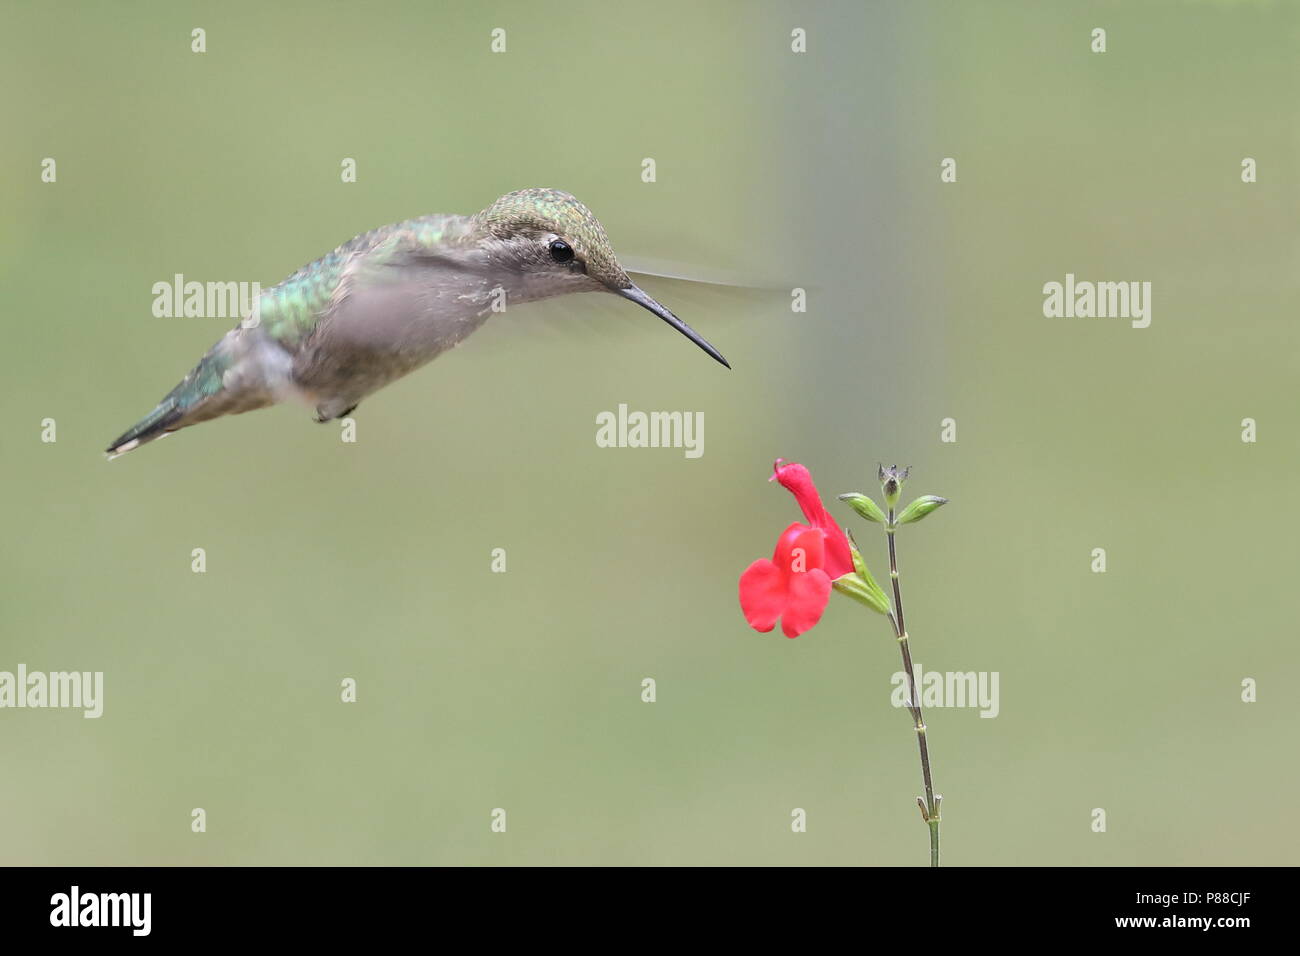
x=561, y=251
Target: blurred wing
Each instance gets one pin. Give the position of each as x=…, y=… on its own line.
x=668, y=269
x=715, y=309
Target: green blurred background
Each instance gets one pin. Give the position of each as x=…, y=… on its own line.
x=522, y=690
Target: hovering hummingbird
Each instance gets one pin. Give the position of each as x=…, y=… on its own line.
x=391, y=300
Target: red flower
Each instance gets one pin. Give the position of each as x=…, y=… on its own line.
x=796, y=584
x=792, y=586
x=795, y=479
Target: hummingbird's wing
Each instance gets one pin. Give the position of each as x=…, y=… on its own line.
x=292, y=310
x=394, y=303
x=256, y=363
x=608, y=321
x=687, y=272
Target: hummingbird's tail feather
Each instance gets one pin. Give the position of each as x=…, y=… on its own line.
x=154, y=425
x=227, y=381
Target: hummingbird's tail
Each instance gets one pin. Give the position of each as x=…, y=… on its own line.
x=230, y=379
x=157, y=423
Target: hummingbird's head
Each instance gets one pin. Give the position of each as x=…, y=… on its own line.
x=553, y=238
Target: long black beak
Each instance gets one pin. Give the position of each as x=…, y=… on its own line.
x=643, y=300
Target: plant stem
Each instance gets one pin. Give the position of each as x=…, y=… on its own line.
x=930, y=807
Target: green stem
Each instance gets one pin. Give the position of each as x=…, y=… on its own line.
x=930, y=806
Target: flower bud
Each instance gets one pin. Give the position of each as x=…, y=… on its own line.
x=864, y=506
x=891, y=482
x=921, y=507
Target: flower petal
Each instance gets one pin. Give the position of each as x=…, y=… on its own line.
x=796, y=479
x=762, y=594
x=807, y=599
x=799, y=549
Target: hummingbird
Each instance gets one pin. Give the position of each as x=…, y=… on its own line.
x=391, y=300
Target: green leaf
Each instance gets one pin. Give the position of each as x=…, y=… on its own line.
x=864, y=506
x=921, y=507
x=854, y=587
